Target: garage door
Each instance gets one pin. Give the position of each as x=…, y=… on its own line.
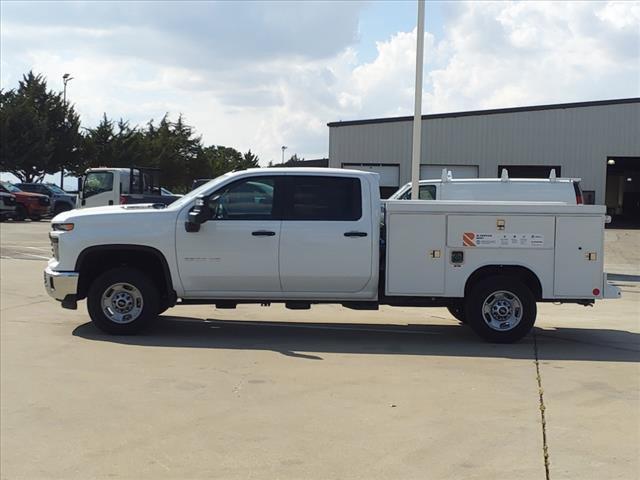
x=389, y=174
x=459, y=171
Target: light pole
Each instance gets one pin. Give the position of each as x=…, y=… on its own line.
x=65, y=79
x=417, y=113
x=284, y=147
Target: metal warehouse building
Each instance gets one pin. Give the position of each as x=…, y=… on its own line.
x=598, y=142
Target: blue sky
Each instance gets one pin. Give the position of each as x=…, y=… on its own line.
x=263, y=74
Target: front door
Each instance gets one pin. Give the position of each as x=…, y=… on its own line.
x=235, y=253
x=327, y=235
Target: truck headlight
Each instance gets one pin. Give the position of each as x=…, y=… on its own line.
x=62, y=227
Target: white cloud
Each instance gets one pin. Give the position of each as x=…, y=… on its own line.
x=260, y=78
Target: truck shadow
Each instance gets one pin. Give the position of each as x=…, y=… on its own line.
x=310, y=340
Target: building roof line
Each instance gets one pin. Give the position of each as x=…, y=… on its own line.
x=472, y=113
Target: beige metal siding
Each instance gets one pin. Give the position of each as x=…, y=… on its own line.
x=579, y=139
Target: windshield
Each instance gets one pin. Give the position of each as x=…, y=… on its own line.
x=97, y=182
x=181, y=202
x=55, y=188
x=10, y=188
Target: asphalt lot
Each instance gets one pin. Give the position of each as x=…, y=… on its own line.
x=257, y=392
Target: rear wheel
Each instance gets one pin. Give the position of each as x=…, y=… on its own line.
x=21, y=213
x=122, y=301
x=501, y=309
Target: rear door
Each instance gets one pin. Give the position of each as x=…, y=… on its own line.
x=327, y=235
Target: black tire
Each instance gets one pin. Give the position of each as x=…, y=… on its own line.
x=457, y=311
x=144, y=289
x=36, y=218
x=503, y=294
x=61, y=207
x=21, y=213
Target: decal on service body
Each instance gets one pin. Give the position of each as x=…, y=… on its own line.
x=503, y=240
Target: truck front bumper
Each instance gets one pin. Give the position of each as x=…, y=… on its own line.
x=62, y=286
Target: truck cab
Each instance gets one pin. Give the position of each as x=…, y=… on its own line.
x=115, y=186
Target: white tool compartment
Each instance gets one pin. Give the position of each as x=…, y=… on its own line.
x=579, y=256
x=501, y=231
x=415, y=254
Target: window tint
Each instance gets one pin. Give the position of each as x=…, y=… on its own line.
x=427, y=192
x=249, y=199
x=324, y=198
x=97, y=182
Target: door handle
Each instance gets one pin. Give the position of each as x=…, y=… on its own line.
x=355, y=234
x=263, y=233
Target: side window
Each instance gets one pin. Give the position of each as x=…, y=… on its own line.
x=324, y=198
x=427, y=192
x=248, y=199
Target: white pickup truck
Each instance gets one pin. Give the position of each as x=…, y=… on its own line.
x=306, y=236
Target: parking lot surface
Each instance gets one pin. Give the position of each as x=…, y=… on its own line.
x=403, y=393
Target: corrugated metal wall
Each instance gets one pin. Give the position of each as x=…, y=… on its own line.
x=579, y=139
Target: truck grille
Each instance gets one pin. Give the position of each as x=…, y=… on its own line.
x=54, y=246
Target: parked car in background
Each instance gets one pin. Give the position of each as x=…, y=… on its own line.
x=60, y=200
x=7, y=206
x=552, y=189
x=28, y=205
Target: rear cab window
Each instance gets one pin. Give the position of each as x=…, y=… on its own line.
x=323, y=198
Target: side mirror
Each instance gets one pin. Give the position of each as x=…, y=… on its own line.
x=199, y=214
x=79, y=185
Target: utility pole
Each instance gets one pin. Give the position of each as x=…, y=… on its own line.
x=65, y=79
x=417, y=114
x=284, y=147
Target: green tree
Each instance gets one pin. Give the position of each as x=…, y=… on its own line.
x=38, y=132
x=174, y=148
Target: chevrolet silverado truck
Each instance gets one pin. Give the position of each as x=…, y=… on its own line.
x=307, y=236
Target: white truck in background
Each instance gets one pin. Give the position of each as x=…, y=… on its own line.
x=104, y=186
x=552, y=189
x=306, y=236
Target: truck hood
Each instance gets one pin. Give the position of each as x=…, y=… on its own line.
x=112, y=211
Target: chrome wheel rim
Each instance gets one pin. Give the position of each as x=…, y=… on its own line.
x=122, y=303
x=502, y=310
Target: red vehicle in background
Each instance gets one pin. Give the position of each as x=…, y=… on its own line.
x=28, y=205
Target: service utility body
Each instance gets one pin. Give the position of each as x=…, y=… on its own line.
x=306, y=236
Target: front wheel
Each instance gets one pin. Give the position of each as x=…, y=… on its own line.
x=457, y=311
x=501, y=309
x=122, y=301
x=60, y=207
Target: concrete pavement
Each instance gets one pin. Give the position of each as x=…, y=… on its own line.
x=329, y=393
